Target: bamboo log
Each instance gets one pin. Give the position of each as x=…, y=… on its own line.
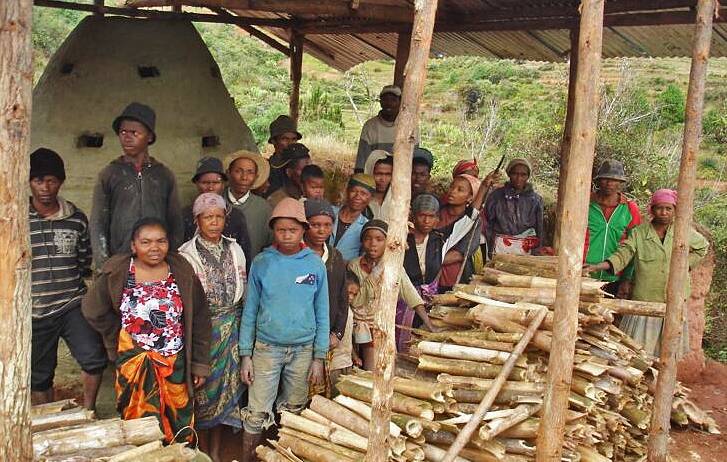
x=526, y=430
x=634, y=307
x=435, y=454
x=518, y=446
x=132, y=454
x=494, y=276
x=486, y=384
x=466, y=433
x=522, y=269
x=541, y=339
x=65, y=418
x=99, y=434
x=413, y=452
x=399, y=403
x=422, y=389
x=464, y=367
x=340, y=415
x=345, y=452
x=53, y=408
x=310, y=451
x=90, y=454
x=364, y=410
x=409, y=424
x=521, y=313
x=340, y=436
x=591, y=455
x=172, y=453
x=493, y=428
x=463, y=352
x=265, y=454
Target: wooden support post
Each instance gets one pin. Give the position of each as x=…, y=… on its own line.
x=99, y=4
x=676, y=298
x=16, y=80
x=463, y=437
x=403, y=45
x=567, y=134
x=572, y=232
x=393, y=259
x=296, y=72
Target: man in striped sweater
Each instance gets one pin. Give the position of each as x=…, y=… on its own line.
x=61, y=259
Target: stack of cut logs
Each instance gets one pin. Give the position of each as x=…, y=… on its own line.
x=62, y=431
x=446, y=374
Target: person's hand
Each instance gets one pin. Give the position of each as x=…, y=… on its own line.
x=333, y=341
x=198, y=381
x=356, y=359
x=624, y=289
x=492, y=178
x=315, y=373
x=588, y=269
x=247, y=374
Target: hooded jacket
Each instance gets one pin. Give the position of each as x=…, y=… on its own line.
x=122, y=196
x=61, y=258
x=286, y=302
x=511, y=213
x=102, y=309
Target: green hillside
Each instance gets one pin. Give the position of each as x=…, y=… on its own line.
x=486, y=108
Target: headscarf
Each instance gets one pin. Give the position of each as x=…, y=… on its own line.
x=473, y=181
x=208, y=201
x=317, y=207
x=363, y=180
x=663, y=196
x=375, y=156
x=464, y=165
x=425, y=203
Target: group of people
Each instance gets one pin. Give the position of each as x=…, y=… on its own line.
x=260, y=292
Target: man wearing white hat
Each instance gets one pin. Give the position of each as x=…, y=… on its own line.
x=378, y=132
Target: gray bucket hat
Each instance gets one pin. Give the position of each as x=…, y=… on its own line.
x=138, y=112
x=283, y=124
x=209, y=165
x=611, y=169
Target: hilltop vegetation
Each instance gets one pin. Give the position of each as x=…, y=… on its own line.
x=484, y=108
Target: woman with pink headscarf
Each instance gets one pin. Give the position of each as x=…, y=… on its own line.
x=649, y=246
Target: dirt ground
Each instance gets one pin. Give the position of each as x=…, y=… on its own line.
x=709, y=392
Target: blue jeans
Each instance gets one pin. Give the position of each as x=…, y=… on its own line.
x=283, y=368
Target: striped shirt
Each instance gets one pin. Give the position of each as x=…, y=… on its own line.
x=61, y=250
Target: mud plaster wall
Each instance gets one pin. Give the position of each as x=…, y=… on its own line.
x=95, y=74
x=693, y=363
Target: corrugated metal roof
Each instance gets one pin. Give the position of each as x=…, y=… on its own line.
x=542, y=43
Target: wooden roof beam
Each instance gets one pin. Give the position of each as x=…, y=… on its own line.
x=257, y=33
x=516, y=24
x=362, y=9
x=195, y=17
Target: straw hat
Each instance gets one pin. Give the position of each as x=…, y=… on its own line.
x=263, y=168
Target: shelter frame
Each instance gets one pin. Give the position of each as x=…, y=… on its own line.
x=595, y=16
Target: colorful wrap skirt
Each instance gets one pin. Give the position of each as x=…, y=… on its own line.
x=218, y=401
x=151, y=384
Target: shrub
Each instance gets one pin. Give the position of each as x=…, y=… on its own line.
x=715, y=125
x=671, y=105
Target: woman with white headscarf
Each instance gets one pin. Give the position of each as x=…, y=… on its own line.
x=380, y=165
x=220, y=266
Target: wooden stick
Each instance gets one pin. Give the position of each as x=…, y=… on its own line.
x=340, y=415
x=364, y=410
x=679, y=267
x=466, y=433
x=572, y=233
x=497, y=426
x=296, y=66
x=52, y=408
x=393, y=259
x=65, y=418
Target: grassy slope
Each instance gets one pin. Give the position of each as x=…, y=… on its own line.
x=530, y=99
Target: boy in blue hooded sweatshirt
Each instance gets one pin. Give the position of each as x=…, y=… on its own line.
x=285, y=327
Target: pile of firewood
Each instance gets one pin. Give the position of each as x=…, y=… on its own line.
x=449, y=373
x=64, y=432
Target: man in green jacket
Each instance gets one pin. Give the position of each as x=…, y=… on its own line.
x=611, y=217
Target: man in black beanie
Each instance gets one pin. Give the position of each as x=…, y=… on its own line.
x=133, y=186
x=61, y=251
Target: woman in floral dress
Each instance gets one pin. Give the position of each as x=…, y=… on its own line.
x=151, y=310
x=220, y=265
